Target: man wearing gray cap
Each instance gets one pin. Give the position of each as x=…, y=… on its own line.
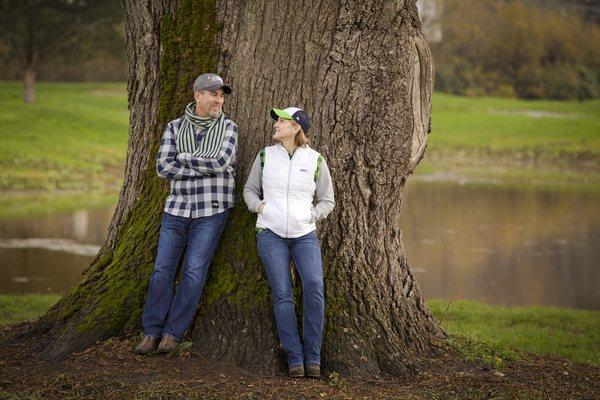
x=197, y=157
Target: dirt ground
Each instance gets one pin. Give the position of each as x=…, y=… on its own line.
x=110, y=370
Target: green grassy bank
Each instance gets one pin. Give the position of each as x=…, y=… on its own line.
x=479, y=331
x=15, y=308
x=510, y=141
x=491, y=331
x=67, y=150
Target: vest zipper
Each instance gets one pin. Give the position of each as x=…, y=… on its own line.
x=287, y=219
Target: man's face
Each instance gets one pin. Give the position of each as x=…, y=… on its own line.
x=209, y=104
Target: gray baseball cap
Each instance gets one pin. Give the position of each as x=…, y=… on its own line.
x=210, y=82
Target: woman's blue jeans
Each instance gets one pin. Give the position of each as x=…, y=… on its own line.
x=276, y=253
x=199, y=237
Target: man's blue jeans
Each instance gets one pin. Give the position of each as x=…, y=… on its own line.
x=199, y=237
x=275, y=253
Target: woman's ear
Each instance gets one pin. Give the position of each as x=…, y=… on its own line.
x=299, y=128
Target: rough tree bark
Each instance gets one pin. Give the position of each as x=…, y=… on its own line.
x=365, y=75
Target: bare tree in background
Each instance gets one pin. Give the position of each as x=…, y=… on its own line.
x=430, y=12
x=35, y=30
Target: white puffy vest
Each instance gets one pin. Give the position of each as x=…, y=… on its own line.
x=288, y=190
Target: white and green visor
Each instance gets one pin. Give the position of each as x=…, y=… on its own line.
x=293, y=113
x=286, y=113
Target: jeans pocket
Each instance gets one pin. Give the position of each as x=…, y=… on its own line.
x=221, y=218
x=261, y=232
x=169, y=221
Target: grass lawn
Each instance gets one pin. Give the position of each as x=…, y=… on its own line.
x=514, y=141
x=16, y=308
x=479, y=331
x=485, y=331
x=65, y=151
x=569, y=128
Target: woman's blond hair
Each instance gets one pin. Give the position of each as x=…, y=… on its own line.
x=300, y=138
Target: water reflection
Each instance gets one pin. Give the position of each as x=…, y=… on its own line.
x=39, y=271
x=503, y=246
x=48, y=254
x=83, y=226
x=64, y=245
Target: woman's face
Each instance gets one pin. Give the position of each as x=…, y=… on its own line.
x=285, y=129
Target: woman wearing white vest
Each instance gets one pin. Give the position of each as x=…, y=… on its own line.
x=289, y=174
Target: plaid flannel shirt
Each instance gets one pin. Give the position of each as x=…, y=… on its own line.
x=200, y=187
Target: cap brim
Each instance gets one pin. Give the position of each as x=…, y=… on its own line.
x=226, y=89
x=277, y=113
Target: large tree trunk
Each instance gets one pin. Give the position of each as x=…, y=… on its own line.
x=365, y=75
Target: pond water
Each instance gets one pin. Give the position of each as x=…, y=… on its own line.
x=503, y=246
x=493, y=244
x=48, y=254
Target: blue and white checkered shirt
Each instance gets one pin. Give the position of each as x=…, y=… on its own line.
x=200, y=187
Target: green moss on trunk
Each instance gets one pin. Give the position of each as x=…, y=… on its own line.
x=110, y=296
x=189, y=48
x=236, y=275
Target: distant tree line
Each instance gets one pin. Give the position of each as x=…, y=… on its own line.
x=100, y=66
x=524, y=48
x=61, y=40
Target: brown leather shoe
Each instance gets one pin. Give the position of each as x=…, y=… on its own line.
x=167, y=344
x=297, y=371
x=147, y=345
x=313, y=370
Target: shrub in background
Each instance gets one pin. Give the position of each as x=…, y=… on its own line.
x=523, y=48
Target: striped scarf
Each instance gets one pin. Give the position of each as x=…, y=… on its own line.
x=210, y=145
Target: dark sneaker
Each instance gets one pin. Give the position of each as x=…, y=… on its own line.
x=313, y=370
x=296, y=371
x=147, y=345
x=167, y=344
